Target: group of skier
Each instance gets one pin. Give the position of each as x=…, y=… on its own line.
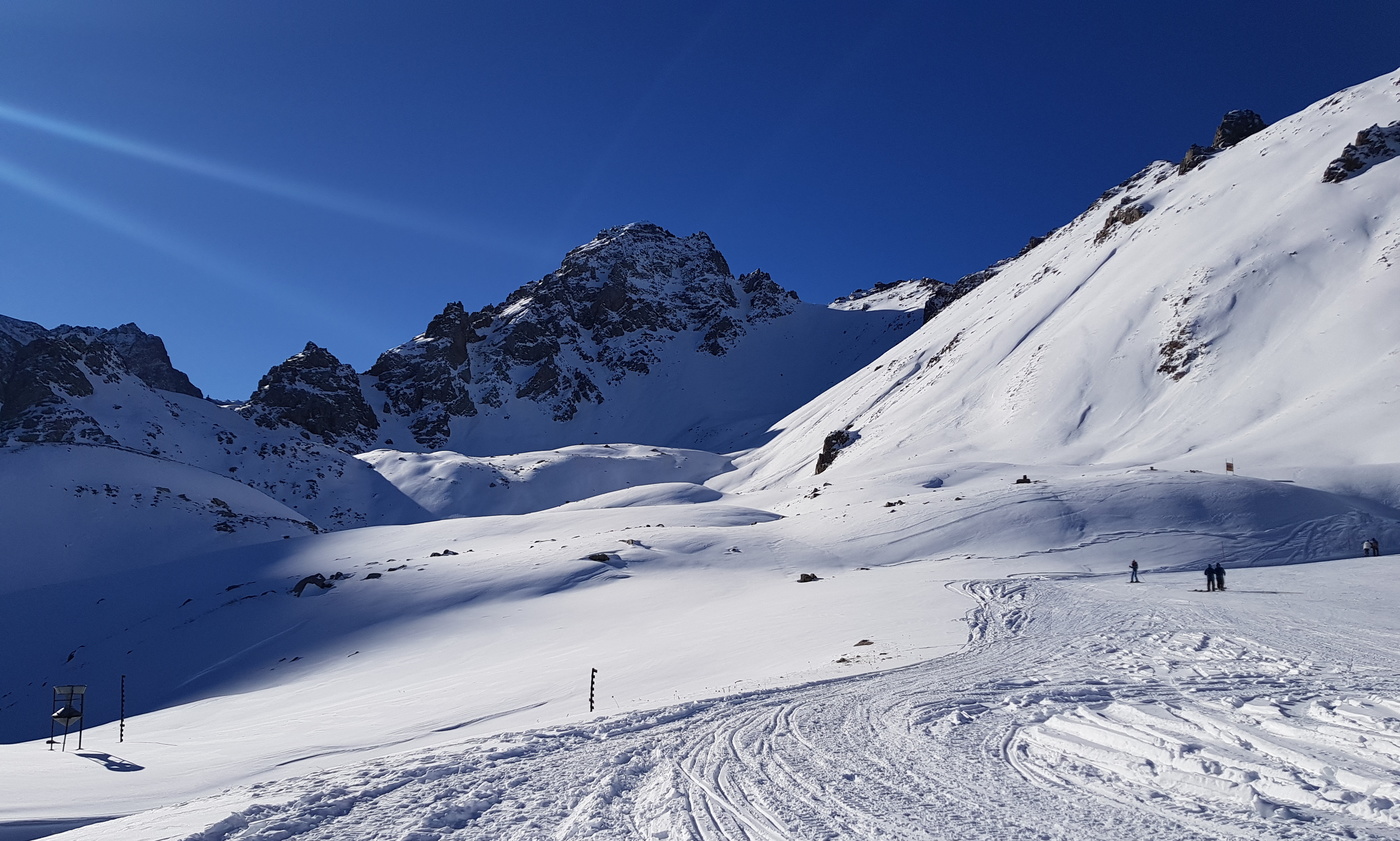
x=1215, y=573
x=1215, y=576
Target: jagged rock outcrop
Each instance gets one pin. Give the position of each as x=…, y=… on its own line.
x=1195, y=156
x=908, y=295
x=832, y=446
x=608, y=313
x=43, y=372
x=949, y=293
x=318, y=393
x=1127, y=212
x=428, y=381
x=146, y=357
x=44, y=377
x=925, y=295
x=1234, y=127
x=1372, y=146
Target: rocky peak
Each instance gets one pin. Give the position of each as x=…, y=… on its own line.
x=42, y=373
x=317, y=392
x=146, y=357
x=1236, y=126
x=143, y=354
x=607, y=313
x=428, y=380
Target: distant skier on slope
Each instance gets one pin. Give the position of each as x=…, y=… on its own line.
x=1132, y=578
x=1210, y=578
x=1366, y=548
x=1219, y=577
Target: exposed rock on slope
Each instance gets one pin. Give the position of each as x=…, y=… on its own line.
x=1234, y=127
x=317, y=393
x=1372, y=146
x=41, y=370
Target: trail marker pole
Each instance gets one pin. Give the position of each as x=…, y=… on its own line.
x=121, y=729
x=592, y=685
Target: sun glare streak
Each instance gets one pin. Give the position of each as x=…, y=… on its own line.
x=93, y=211
x=310, y=195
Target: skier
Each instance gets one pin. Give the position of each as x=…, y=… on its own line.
x=1219, y=577
x=1133, y=579
x=1366, y=548
x=1210, y=578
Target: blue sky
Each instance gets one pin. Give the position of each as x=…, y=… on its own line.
x=241, y=177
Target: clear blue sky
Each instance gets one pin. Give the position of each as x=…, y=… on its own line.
x=242, y=176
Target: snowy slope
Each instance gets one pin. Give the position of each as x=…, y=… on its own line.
x=448, y=484
x=1248, y=315
x=72, y=512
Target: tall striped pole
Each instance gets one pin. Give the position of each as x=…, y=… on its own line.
x=592, y=684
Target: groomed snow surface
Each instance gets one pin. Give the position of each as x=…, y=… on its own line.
x=1025, y=690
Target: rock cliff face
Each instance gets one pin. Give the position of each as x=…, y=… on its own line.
x=43, y=371
x=615, y=307
x=1372, y=146
x=1234, y=127
x=317, y=393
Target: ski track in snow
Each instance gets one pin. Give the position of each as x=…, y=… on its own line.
x=1073, y=712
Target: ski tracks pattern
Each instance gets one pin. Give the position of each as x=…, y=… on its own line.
x=1073, y=712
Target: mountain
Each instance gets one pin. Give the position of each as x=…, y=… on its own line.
x=639, y=336
x=640, y=641
x=91, y=389
x=1239, y=310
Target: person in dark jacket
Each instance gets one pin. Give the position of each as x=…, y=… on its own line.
x=1132, y=578
x=1219, y=577
x=1210, y=578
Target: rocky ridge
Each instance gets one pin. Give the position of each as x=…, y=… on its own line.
x=1234, y=127
x=561, y=342
x=41, y=371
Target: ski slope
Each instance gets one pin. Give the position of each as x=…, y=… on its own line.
x=1081, y=707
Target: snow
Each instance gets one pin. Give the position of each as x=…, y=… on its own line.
x=1284, y=285
x=1079, y=706
x=449, y=484
x=969, y=662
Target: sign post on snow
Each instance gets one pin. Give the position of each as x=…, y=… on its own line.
x=1230, y=467
x=67, y=710
x=592, y=684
